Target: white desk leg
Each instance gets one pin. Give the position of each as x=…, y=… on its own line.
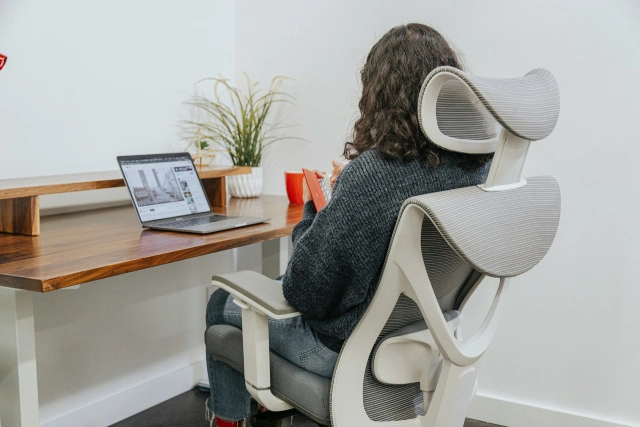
x=275, y=256
x=18, y=376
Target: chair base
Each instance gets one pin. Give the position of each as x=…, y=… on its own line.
x=270, y=418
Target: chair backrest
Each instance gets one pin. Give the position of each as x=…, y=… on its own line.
x=445, y=243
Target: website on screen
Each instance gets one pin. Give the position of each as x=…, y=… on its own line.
x=164, y=188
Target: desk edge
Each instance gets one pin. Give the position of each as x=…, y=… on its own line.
x=104, y=272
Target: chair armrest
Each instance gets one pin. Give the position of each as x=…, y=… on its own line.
x=262, y=294
x=260, y=298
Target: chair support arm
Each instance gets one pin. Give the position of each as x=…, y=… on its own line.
x=259, y=292
x=400, y=357
x=259, y=298
x=257, y=366
x=461, y=353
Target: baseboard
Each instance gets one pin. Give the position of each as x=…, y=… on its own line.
x=484, y=408
x=134, y=400
x=518, y=414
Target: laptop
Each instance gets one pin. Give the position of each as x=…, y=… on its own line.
x=168, y=195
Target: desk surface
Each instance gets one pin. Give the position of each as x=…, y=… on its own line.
x=84, y=246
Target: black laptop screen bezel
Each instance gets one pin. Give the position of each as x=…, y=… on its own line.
x=178, y=156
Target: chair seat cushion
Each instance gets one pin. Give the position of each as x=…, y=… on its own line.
x=307, y=392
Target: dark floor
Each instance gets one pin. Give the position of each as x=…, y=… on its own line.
x=187, y=410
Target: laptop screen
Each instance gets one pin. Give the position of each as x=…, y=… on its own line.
x=164, y=186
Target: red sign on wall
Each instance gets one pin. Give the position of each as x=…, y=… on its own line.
x=3, y=60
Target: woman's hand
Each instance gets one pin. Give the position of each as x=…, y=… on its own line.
x=337, y=168
x=306, y=193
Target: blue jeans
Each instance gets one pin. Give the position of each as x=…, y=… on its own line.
x=290, y=338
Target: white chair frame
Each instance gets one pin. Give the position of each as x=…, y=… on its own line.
x=447, y=404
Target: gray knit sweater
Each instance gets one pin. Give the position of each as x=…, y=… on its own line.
x=338, y=253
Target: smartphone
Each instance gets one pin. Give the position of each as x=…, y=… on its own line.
x=320, y=192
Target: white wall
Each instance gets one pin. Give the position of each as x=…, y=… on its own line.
x=569, y=341
x=85, y=82
x=88, y=81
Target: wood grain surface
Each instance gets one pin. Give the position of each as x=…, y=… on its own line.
x=84, y=246
x=23, y=187
x=216, y=190
x=20, y=216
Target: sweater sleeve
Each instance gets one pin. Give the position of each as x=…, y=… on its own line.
x=331, y=267
x=308, y=215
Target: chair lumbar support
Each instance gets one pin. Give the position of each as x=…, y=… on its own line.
x=399, y=359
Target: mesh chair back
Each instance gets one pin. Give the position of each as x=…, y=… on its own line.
x=461, y=115
x=449, y=275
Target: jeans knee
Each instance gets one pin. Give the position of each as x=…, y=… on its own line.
x=216, y=305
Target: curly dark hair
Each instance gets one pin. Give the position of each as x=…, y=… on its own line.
x=391, y=79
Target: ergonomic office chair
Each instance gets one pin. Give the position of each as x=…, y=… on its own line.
x=405, y=363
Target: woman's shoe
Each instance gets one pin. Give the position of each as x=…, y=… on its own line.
x=217, y=422
x=224, y=423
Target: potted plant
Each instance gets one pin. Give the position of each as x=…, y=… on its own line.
x=201, y=151
x=236, y=119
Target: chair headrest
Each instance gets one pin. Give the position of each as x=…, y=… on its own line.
x=464, y=113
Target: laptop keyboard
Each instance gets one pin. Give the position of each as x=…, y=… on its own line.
x=199, y=221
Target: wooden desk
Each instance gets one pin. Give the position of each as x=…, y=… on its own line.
x=85, y=246
x=81, y=247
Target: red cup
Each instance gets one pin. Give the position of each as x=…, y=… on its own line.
x=293, y=181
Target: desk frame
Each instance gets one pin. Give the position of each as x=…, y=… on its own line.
x=19, y=404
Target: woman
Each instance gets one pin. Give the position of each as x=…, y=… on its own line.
x=338, y=253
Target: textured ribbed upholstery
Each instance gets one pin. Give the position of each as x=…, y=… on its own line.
x=460, y=114
x=446, y=270
x=449, y=276
x=501, y=233
x=384, y=402
x=527, y=106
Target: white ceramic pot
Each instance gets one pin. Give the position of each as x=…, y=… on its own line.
x=244, y=186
